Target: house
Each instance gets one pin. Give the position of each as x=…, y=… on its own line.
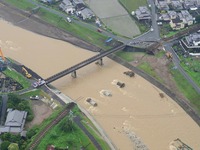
x=67, y=6
x=172, y=14
x=14, y=122
x=193, y=39
x=162, y=5
x=190, y=4
x=186, y=17
x=78, y=4
x=177, y=24
x=176, y=4
x=85, y=13
x=165, y=17
x=142, y=13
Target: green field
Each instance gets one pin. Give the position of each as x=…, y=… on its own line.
x=192, y=67
x=132, y=5
x=67, y=134
x=185, y=88
x=22, y=4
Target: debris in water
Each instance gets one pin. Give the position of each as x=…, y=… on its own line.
x=91, y=101
x=129, y=73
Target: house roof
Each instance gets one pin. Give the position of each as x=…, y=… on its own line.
x=15, y=118
x=176, y=20
x=86, y=13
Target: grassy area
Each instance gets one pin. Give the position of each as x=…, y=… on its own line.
x=22, y=4
x=73, y=137
x=127, y=56
x=186, y=89
x=77, y=30
x=38, y=128
x=17, y=77
x=132, y=5
x=146, y=67
x=192, y=67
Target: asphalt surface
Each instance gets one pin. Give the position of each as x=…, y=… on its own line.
x=3, y=108
x=77, y=120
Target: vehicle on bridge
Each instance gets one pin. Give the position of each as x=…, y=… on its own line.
x=39, y=83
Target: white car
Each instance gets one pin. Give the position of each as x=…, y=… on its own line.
x=68, y=19
x=151, y=29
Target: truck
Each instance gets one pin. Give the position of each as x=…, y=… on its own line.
x=26, y=73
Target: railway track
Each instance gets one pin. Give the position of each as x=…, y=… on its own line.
x=50, y=125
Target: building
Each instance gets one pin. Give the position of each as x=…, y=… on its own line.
x=176, y=5
x=193, y=40
x=85, y=14
x=172, y=14
x=142, y=13
x=177, y=24
x=78, y=4
x=67, y=6
x=190, y=4
x=162, y=5
x=186, y=17
x=14, y=122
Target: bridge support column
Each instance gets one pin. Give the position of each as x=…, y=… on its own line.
x=73, y=74
x=100, y=62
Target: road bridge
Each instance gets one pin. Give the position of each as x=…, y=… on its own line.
x=82, y=64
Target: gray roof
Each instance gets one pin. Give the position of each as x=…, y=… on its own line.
x=86, y=13
x=143, y=13
x=186, y=15
x=14, y=122
x=78, y=2
x=193, y=38
x=176, y=4
x=15, y=118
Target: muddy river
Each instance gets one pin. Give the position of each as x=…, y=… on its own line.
x=133, y=116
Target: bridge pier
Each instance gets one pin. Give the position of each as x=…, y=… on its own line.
x=100, y=62
x=73, y=74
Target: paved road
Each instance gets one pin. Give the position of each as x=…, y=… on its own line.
x=176, y=62
x=77, y=120
x=4, y=107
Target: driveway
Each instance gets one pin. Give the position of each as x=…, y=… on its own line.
x=114, y=16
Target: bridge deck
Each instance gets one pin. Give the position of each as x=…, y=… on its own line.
x=82, y=64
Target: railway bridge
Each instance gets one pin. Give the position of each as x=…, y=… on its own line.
x=72, y=70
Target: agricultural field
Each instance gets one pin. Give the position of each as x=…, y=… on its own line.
x=115, y=17
x=132, y=5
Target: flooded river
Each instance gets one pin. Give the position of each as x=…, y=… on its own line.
x=132, y=114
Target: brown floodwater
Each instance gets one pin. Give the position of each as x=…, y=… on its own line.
x=136, y=109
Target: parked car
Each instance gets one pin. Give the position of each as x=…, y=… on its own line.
x=99, y=30
x=35, y=97
x=69, y=19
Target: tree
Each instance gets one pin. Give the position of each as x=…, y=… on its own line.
x=197, y=19
x=13, y=146
x=4, y=145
